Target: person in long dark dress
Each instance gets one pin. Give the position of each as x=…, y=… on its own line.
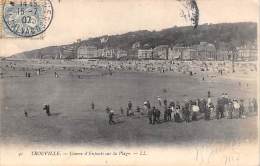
x=169, y=114
x=165, y=114
x=157, y=115
x=153, y=115
x=241, y=109
x=186, y=112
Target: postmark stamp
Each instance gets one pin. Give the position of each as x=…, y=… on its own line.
x=26, y=18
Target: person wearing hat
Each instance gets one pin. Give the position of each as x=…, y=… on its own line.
x=177, y=114
x=226, y=100
x=159, y=100
x=129, y=108
x=211, y=110
x=236, y=107
x=111, y=116
x=172, y=103
x=129, y=105
x=203, y=105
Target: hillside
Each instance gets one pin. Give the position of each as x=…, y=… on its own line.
x=225, y=35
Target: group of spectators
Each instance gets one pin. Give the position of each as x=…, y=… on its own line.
x=190, y=110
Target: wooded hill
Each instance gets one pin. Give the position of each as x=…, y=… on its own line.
x=223, y=36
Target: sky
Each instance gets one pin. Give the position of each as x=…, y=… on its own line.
x=82, y=19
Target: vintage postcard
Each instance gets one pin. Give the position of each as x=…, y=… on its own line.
x=129, y=82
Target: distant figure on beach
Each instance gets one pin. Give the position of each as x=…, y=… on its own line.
x=150, y=115
x=129, y=105
x=177, y=113
x=195, y=110
x=159, y=100
x=165, y=114
x=250, y=105
x=38, y=72
x=241, y=109
x=211, y=110
x=121, y=110
x=157, y=115
x=186, y=112
x=255, y=105
x=47, y=109
x=220, y=107
x=56, y=74
x=209, y=94
x=230, y=110
x=92, y=106
x=138, y=109
x=165, y=102
x=27, y=74
x=107, y=110
x=147, y=104
x=236, y=107
x=111, y=117
x=169, y=114
x=25, y=114
x=129, y=108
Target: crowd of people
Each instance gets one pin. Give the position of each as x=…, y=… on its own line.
x=35, y=67
x=190, y=110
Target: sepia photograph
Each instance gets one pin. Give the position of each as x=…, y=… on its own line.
x=129, y=82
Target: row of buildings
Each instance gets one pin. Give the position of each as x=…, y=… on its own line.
x=87, y=52
x=203, y=51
